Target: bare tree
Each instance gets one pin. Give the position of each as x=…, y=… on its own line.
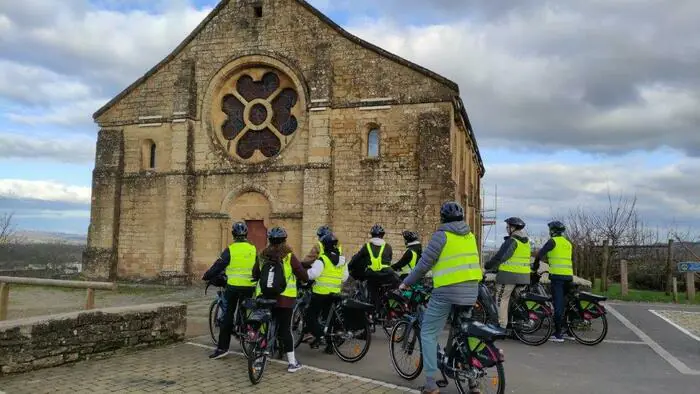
x=7, y=229
x=615, y=222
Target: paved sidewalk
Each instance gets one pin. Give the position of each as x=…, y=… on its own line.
x=690, y=321
x=182, y=368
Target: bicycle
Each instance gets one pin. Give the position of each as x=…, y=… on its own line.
x=304, y=293
x=467, y=359
x=582, y=310
x=347, y=322
x=217, y=313
x=389, y=307
x=262, y=336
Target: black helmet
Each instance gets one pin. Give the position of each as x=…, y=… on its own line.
x=329, y=241
x=377, y=231
x=515, y=222
x=410, y=236
x=451, y=211
x=239, y=230
x=323, y=230
x=276, y=235
x=556, y=227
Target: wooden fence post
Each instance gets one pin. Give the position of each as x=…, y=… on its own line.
x=674, y=288
x=624, y=284
x=90, y=299
x=4, y=300
x=604, y=267
x=670, y=269
x=690, y=286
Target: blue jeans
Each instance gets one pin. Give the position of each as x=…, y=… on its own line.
x=434, y=320
x=558, y=288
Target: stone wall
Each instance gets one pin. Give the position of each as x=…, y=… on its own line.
x=49, y=341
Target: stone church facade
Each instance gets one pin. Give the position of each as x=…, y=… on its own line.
x=271, y=113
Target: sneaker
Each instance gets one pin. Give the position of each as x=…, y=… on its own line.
x=218, y=353
x=569, y=337
x=291, y=368
x=557, y=339
x=307, y=337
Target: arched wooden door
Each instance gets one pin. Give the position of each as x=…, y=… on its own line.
x=257, y=233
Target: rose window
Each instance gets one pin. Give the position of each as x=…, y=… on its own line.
x=258, y=114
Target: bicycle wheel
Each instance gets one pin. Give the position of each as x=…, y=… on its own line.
x=348, y=344
x=406, y=352
x=258, y=359
x=214, y=328
x=298, y=315
x=534, y=328
x=493, y=381
x=256, y=365
x=579, y=327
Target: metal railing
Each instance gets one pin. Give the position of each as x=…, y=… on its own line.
x=5, y=282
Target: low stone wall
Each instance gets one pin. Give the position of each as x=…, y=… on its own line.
x=49, y=341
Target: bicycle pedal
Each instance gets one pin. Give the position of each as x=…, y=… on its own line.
x=442, y=383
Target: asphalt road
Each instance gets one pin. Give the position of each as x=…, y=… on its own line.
x=625, y=363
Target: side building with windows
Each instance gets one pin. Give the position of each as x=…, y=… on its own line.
x=270, y=113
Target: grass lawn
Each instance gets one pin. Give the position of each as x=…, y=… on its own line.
x=614, y=292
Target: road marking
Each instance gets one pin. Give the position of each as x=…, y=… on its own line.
x=680, y=328
x=338, y=374
x=613, y=341
x=676, y=363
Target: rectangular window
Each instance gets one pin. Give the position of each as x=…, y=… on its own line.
x=258, y=11
x=373, y=143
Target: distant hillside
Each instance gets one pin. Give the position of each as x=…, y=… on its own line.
x=49, y=237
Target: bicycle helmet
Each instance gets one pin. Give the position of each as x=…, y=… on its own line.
x=329, y=241
x=377, y=231
x=515, y=222
x=556, y=227
x=276, y=235
x=409, y=236
x=239, y=230
x=323, y=230
x=451, y=211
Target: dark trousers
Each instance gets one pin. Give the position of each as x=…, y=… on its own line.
x=319, y=307
x=559, y=289
x=232, y=295
x=283, y=316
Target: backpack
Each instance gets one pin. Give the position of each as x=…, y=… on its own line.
x=272, y=280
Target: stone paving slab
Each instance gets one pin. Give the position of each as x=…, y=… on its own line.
x=182, y=368
x=688, y=320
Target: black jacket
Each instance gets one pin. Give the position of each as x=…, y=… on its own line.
x=360, y=261
x=407, y=256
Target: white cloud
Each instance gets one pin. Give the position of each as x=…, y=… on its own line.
x=70, y=114
x=69, y=149
x=539, y=191
x=44, y=190
x=38, y=85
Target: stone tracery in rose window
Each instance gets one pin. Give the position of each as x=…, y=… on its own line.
x=259, y=114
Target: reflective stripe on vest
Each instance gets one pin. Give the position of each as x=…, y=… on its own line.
x=291, y=289
x=331, y=278
x=376, y=262
x=322, y=250
x=559, y=258
x=411, y=264
x=519, y=262
x=239, y=271
x=458, y=261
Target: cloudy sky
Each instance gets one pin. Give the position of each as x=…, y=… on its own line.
x=569, y=99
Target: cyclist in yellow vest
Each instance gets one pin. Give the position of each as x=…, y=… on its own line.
x=317, y=249
x=328, y=273
x=373, y=263
x=453, y=256
x=513, y=264
x=237, y=263
x=557, y=251
x=411, y=255
x=278, y=250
